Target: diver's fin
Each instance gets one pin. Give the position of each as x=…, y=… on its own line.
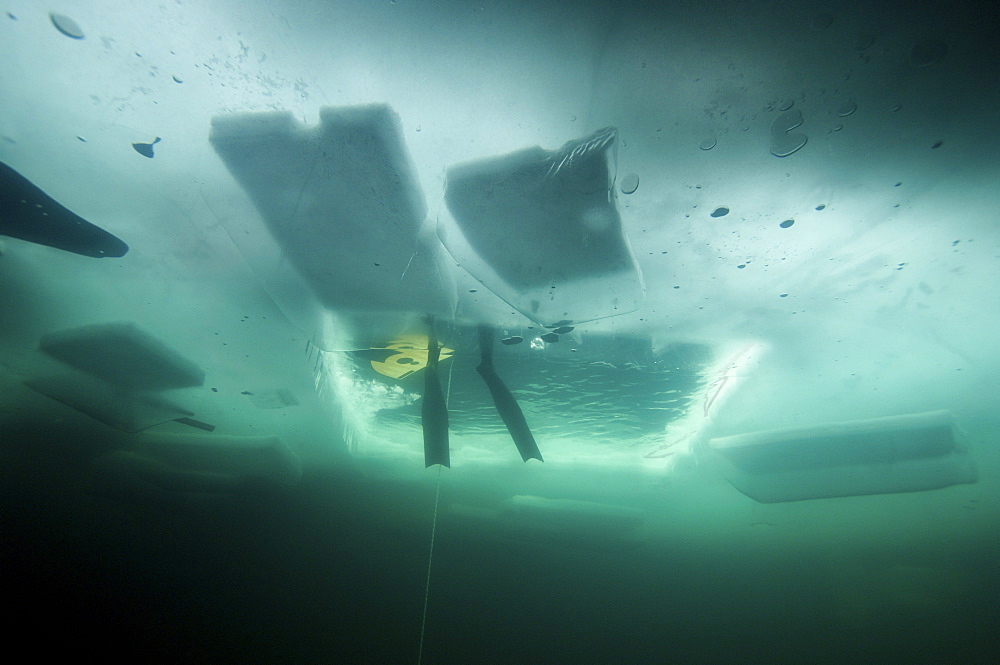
x=434, y=411
x=509, y=410
x=28, y=213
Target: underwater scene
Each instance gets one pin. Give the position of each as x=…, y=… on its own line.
x=505, y=332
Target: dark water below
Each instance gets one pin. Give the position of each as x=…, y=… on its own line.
x=334, y=571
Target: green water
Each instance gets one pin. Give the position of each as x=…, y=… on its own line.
x=808, y=191
x=334, y=569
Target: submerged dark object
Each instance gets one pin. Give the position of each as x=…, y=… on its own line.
x=28, y=213
x=504, y=400
x=146, y=149
x=434, y=410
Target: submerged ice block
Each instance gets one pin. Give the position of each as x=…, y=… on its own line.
x=124, y=356
x=906, y=453
x=118, y=371
x=541, y=230
x=341, y=200
x=168, y=466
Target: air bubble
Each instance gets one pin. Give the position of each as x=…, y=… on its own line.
x=721, y=211
x=707, y=143
x=630, y=183
x=846, y=109
x=865, y=41
x=786, y=121
x=66, y=25
x=782, y=143
x=821, y=22
x=787, y=104
x=786, y=144
x=926, y=53
x=785, y=224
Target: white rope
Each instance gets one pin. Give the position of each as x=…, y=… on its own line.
x=430, y=560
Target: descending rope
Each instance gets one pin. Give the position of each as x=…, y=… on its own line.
x=430, y=560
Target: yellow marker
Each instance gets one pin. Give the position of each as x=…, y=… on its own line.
x=410, y=356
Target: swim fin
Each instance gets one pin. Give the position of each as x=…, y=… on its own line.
x=434, y=410
x=504, y=400
x=28, y=213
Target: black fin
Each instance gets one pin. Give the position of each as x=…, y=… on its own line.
x=28, y=213
x=504, y=400
x=434, y=410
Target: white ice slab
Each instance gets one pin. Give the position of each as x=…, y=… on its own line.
x=342, y=201
x=541, y=229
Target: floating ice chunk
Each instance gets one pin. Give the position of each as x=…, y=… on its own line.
x=124, y=356
x=342, y=201
x=540, y=229
x=907, y=453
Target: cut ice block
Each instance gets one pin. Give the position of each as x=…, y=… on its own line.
x=906, y=453
x=170, y=466
x=541, y=230
x=342, y=201
x=127, y=411
x=124, y=356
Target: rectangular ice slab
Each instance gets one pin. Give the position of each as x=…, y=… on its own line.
x=124, y=356
x=541, y=229
x=905, y=453
x=124, y=410
x=342, y=201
